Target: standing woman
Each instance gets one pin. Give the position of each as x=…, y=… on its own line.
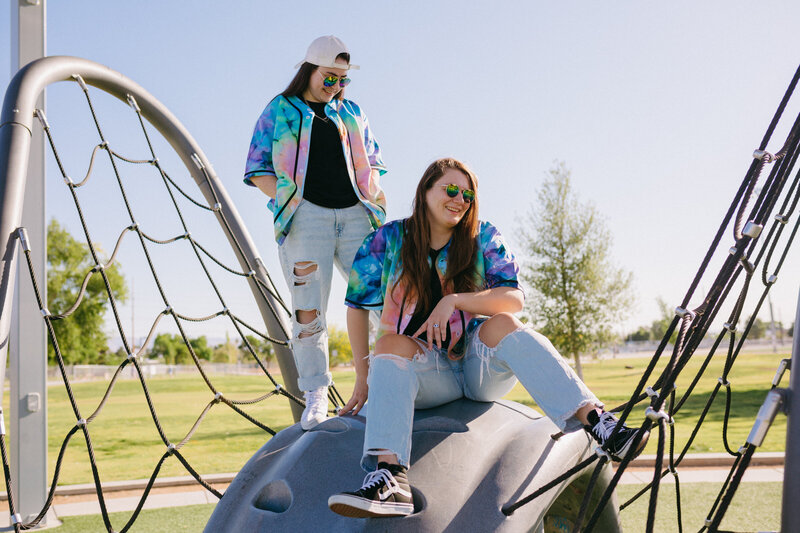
x=314, y=155
x=431, y=274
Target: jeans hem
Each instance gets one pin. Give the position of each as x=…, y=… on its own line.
x=310, y=383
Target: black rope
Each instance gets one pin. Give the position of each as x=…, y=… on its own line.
x=508, y=510
x=737, y=261
x=7, y=472
x=589, y=489
x=734, y=484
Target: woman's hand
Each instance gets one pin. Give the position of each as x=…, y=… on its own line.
x=358, y=399
x=435, y=327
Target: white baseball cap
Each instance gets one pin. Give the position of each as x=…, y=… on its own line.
x=323, y=51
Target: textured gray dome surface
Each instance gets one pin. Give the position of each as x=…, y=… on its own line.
x=468, y=460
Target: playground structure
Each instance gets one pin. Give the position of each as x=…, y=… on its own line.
x=754, y=244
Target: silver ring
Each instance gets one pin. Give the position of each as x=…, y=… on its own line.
x=436, y=325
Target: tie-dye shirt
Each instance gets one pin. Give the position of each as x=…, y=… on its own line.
x=377, y=267
x=281, y=144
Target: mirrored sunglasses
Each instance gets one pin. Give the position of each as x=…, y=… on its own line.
x=452, y=191
x=330, y=81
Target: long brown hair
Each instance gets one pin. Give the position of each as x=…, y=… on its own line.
x=299, y=83
x=461, y=255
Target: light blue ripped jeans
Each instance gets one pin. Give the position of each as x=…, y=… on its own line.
x=323, y=237
x=398, y=385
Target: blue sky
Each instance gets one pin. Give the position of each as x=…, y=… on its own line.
x=656, y=109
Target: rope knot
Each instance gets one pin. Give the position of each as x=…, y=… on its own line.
x=601, y=453
x=763, y=155
x=655, y=416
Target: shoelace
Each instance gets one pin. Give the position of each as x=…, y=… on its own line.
x=380, y=476
x=605, y=426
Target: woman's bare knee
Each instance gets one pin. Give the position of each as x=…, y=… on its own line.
x=395, y=344
x=497, y=327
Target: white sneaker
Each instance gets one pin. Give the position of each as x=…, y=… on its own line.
x=316, y=410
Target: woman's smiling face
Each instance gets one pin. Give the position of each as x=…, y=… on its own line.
x=316, y=90
x=445, y=212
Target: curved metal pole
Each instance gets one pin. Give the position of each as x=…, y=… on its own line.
x=15, y=126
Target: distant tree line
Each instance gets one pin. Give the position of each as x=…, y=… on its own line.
x=81, y=337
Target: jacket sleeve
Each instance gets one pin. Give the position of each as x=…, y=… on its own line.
x=259, y=157
x=373, y=150
x=365, y=287
x=370, y=143
x=500, y=266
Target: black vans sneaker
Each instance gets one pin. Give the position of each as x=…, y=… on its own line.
x=602, y=425
x=385, y=492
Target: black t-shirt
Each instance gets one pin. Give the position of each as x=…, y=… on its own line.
x=421, y=315
x=327, y=182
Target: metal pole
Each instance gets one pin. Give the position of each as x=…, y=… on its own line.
x=790, y=518
x=28, y=341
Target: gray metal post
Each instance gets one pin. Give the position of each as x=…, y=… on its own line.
x=28, y=343
x=790, y=516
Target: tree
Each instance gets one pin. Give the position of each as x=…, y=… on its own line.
x=169, y=347
x=641, y=334
x=174, y=351
x=80, y=336
x=758, y=330
x=201, y=348
x=262, y=348
x=660, y=326
x=339, y=347
x=577, y=294
x=227, y=352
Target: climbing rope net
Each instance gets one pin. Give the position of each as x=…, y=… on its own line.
x=180, y=317
x=758, y=222
x=757, y=219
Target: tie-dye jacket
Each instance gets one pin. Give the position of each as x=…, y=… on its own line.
x=377, y=267
x=280, y=146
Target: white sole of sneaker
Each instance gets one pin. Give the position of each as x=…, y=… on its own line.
x=311, y=423
x=355, y=507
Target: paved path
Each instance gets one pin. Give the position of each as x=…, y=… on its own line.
x=181, y=491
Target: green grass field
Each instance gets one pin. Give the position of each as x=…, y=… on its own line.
x=696, y=501
x=127, y=446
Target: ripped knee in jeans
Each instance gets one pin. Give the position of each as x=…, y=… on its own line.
x=398, y=360
x=421, y=357
x=485, y=353
x=304, y=271
x=304, y=278
x=308, y=328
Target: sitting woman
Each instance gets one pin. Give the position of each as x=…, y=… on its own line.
x=430, y=275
